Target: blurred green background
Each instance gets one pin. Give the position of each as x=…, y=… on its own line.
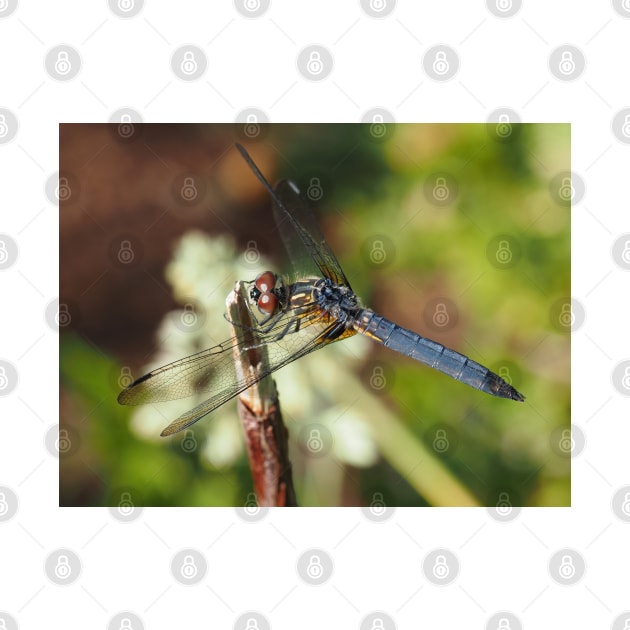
x=458, y=232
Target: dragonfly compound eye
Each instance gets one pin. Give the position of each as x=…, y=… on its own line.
x=265, y=281
x=267, y=303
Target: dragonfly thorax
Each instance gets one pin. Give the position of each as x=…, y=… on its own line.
x=336, y=299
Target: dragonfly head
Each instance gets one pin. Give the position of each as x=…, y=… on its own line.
x=264, y=293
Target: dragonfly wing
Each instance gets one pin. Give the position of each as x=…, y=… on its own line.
x=298, y=227
x=213, y=370
x=300, y=233
x=205, y=371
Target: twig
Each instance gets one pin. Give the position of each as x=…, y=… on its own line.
x=258, y=407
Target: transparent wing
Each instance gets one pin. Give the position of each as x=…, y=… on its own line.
x=300, y=233
x=213, y=370
x=298, y=227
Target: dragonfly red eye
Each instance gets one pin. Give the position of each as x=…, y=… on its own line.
x=265, y=281
x=267, y=303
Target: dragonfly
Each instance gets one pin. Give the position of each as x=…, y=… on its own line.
x=294, y=318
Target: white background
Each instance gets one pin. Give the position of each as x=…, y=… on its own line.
x=251, y=62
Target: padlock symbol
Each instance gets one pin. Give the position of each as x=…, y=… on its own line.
x=625, y=254
x=189, y=317
x=125, y=126
x=315, y=442
x=440, y=317
x=63, y=569
x=625, y=128
x=189, y=568
x=4, y=128
x=377, y=624
x=314, y=191
x=567, y=568
x=252, y=624
x=63, y=442
x=189, y=64
x=377, y=126
x=440, y=568
x=252, y=128
x=4, y=254
x=504, y=373
x=504, y=128
x=567, y=64
x=440, y=63
x=503, y=624
x=378, y=5
x=189, y=443
x=566, y=192
x=566, y=317
x=125, y=5
x=567, y=443
x=125, y=624
x=4, y=506
x=440, y=190
x=252, y=5
x=189, y=190
x=4, y=381
x=504, y=506
x=125, y=379
x=504, y=253
x=378, y=254
x=441, y=443
x=314, y=64
x=63, y=192
x=377, y=380
x=252, y=255
x=377, y=507
x=125, y=505
x=625, y=506
x=315, y=568
x=125, y=253
x=625, y=381
x=63, y=317
x=62, y=65
x=251, y=505
x=504, y=5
